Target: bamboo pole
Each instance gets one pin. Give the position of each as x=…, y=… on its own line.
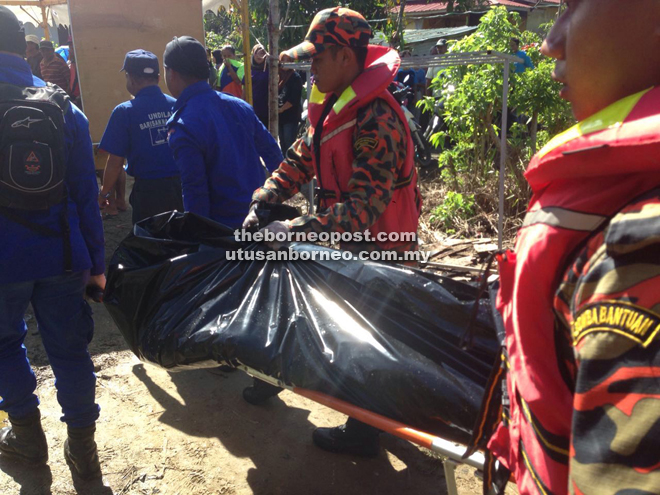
x=41, y=3
x=247, y=63
x=399, y=24
x=273, y=67
x=44, y=24
x=37, y=21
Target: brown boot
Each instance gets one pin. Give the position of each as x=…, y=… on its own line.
x=25, y=440
x=81, y=454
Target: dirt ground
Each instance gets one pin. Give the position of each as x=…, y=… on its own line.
x=190, y=432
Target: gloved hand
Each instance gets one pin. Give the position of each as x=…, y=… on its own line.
x=277, y=228
x=251, y=220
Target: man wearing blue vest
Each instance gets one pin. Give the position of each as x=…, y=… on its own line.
x=217, y=140
x=48, y=255
x=137, y=131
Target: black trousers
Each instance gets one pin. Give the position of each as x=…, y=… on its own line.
x=153, y=196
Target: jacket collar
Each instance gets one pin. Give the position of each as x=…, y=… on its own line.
x=627, y=132
x=381, y=66
x=192, y=91
x=153, y=90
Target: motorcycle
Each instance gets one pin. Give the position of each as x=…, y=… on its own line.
x=437, y=122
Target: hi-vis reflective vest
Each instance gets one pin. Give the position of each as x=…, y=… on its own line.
x=580, y=180
x=333, y=161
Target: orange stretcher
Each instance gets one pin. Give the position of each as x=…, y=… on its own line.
x=451, y=451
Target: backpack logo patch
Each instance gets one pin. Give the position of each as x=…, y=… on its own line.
x=32, y=164
x=26, y=122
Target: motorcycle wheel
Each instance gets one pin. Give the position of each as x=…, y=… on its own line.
x=423, y=156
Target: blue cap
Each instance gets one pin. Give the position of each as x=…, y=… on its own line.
x=141, y=63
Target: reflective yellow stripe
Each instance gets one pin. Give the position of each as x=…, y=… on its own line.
x=530, y=468
x=612, y=116
x=316, y=96
x=344, y=99
x=566, y=219
x=342, y=128
x=545, y=442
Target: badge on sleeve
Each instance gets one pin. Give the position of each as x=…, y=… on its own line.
x=623, y=318
x=365, y=142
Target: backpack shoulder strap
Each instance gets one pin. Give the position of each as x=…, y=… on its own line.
x=50, y=93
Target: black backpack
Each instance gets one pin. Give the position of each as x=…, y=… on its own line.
x=32, y=156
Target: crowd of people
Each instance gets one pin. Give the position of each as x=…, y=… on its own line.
x=573, y=405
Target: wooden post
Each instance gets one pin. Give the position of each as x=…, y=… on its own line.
x=247, y=63
x=399, y=25
x=273, y=66
x=44, y=24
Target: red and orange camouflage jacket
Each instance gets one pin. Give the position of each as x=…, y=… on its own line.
x=609, y=308
x=379, y=152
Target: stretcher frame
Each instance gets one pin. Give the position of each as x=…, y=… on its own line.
x=450, y=450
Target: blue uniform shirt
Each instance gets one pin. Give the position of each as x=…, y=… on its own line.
x=137, y=131
x=217, y=141
x=26, y=255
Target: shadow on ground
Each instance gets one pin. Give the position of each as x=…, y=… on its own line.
x=277, y=439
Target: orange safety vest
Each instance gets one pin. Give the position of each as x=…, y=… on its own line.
x=333, y=162
x=580, y=180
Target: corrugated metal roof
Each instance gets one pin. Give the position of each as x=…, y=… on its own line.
x=424, y=7
x=412, y=36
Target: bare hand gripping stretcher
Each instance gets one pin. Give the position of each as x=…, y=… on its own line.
x=378, y=342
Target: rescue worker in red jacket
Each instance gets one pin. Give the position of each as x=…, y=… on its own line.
x=580, y=295
x=360, y=150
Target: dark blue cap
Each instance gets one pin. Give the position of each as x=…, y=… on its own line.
x=12, y=37
x=141, y=63
x=186, y=56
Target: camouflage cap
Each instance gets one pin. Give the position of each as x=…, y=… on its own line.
x=337, y=26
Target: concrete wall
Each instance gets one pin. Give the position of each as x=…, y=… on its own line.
x=540, y=16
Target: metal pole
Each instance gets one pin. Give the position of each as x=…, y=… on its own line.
x=273, y=67
x=247, y=63
x=450, y=476
x=505, y=107
x=311, y=185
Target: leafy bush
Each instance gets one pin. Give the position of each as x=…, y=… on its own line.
x=455, y=207
x=473, y=105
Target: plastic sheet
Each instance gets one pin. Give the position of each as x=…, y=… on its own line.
x=383, y=337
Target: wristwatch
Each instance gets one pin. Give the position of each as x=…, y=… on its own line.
x=104, y=196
